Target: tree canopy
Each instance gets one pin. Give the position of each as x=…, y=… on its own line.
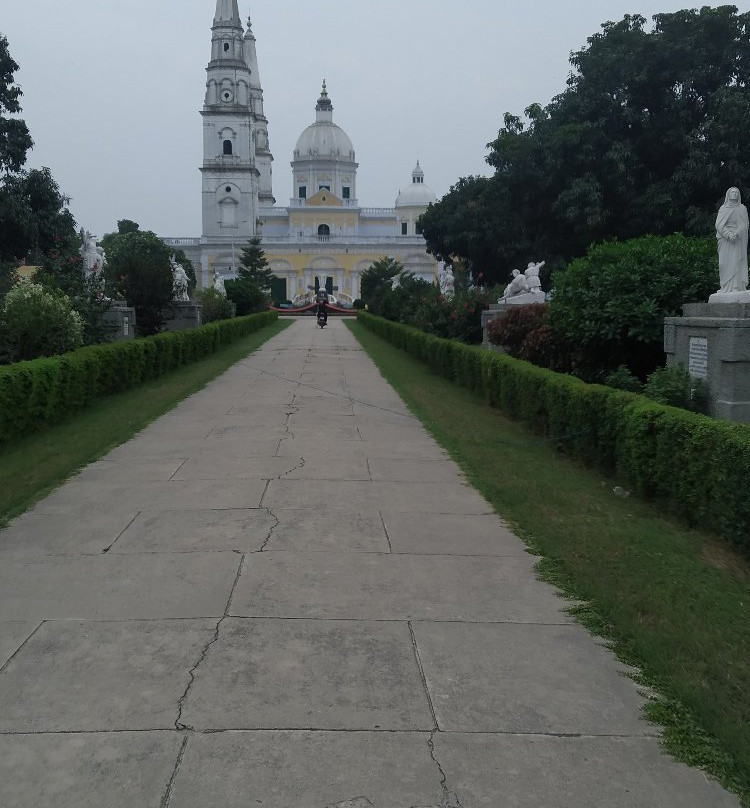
x=653, y=126
x=254, y=266
x=15, y=139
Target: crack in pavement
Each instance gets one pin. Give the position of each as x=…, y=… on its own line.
x=167, y=798
x=178, y=724
x=268, y=538
x=298, y=467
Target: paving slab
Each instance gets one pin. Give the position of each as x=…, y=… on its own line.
x=102, y=770
x=237, y=468
x=94, y=677
x=12, y=636
x=448, y=534
x=328, y=530
x=243, y=530
x=111, y=471
x=140, y=448
x=42, y=534
x=360, y=495
x=511, y=771
x=307, y=770
x=546, y=679
x=83, y=497
x=415, y=471
x=309, y=674
x=309, y=446
x=117, y=587
x=369, y=586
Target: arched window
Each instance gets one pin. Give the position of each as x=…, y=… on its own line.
x=324, y=230
x=227, y=147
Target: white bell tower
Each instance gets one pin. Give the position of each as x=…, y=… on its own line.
x=231, y=178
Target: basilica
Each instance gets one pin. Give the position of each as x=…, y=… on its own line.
x=323, y=235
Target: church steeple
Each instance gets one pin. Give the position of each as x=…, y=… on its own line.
x=227, y=13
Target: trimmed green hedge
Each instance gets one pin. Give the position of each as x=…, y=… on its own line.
x=697, y=466
x=47, y=391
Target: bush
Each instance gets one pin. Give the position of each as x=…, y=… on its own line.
x=697, y=466
x=46, y=391
x=511, y=328
x=611, y=303
x=623, y=379
x=675, y=386
x=39, y=322
x=247, y=296
x=215, y=305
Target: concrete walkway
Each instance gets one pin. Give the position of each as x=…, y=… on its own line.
x=277, y=595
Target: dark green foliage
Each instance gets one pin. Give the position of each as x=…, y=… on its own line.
x=247, y=296
x=127, y=226
x=376, y=281
x=511, y=328
x=697, y=466
x=674, y=386
x=254, y=266
x=651, y=130
x=611, y=304
x=138, y=262
x=15, y=139
x=47, y=391
x=622, y=379
x=34, y=219
x=215, y=305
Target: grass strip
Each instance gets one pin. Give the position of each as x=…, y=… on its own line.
x=35, y=465
x=671, y=601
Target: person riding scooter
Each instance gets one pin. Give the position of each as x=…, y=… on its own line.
x=322, y=305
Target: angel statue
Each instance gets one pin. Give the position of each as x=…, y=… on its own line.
x=180, y=282
x=219, y=283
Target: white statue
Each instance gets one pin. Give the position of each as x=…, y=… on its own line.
x=517, y=286
x=219, y=283
x=731, y=234
x=532, y=276
x=179, y=282
x=93, y=256
x=446, y=281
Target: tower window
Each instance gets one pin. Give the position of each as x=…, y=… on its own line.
x=346, y=192
x=227, y=147
x=302, y=192
x=324, y=230
x=226, y=47
x=404, y=228
x=228, y=189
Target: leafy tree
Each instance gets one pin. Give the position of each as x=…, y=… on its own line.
x=652, y=128
x=254, y=266
x=34, y=218
x=138, y=263
x=215, y=305
x=39, y=322
x=246, y=295
x=15, y=139
x=127, y=226
x=401, y=302
x=611, y=304
x=376, y=281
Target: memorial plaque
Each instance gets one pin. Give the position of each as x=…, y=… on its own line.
x=698, y=358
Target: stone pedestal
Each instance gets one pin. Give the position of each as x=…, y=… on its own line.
x=183, y=315
x=713, y=341
x=498, y=309
x=120, y=321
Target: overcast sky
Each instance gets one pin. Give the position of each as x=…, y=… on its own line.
x=112, y=90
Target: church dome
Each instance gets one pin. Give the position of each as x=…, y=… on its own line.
x=416, y=195
x=324, y=138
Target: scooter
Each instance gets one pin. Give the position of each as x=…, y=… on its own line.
x=322, y=318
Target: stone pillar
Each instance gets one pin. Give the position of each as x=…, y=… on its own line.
x=713, y=341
